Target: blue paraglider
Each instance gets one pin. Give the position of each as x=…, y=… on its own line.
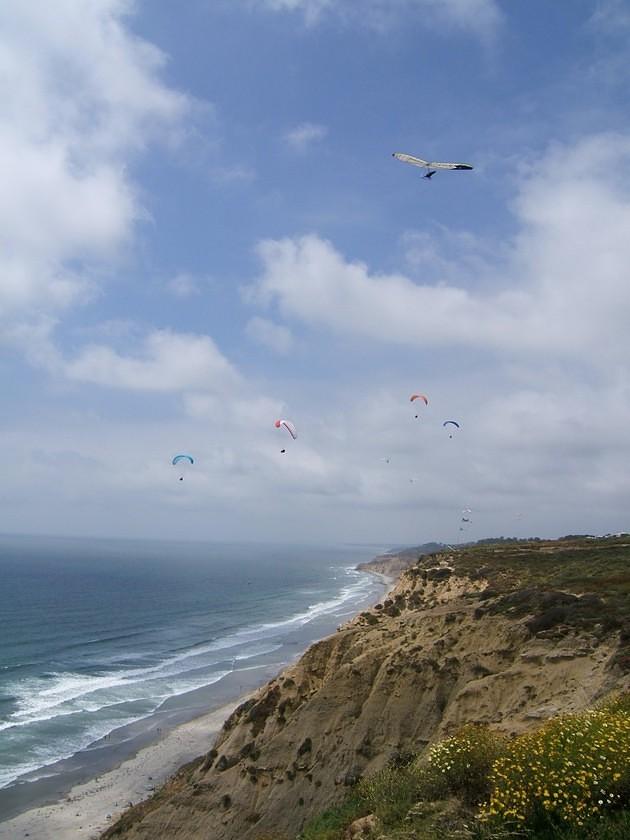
x=451, y=423
x=183, y=461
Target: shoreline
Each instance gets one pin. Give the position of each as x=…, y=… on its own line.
x=90, y=807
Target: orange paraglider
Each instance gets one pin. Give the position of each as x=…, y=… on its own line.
x=422, y=397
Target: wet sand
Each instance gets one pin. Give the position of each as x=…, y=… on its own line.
x=91, y=807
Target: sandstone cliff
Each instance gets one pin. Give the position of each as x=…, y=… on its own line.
x=460, y=638
x=395, y=562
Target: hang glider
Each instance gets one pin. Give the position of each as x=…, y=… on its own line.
x=430, y=165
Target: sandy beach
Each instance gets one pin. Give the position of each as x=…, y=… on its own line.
x=89, y=808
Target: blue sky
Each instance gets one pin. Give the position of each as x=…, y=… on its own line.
x=203, y=229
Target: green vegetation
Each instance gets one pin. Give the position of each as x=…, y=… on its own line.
x=579, y=582
x=464, y=762
x=332, y=824
x=599, y=567
x=569, y=779
x=571, y=769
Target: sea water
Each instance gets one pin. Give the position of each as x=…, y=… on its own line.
x=105, y=643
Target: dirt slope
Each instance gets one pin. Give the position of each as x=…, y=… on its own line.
x=444, y=649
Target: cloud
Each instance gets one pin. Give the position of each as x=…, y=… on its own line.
x=523, y=342
x=88, y=98
x=274, y=336
x=559, y=286
x=168, y=362
x=305, y=135
x=611, y=16
x=479, y=17
x=312, y=9
x=184, y=285
x=310, y=281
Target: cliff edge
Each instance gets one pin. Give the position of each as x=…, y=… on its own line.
x=506, y=635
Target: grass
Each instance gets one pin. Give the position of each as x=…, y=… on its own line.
x=332, y=823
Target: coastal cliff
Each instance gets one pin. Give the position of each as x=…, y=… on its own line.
x=505, y=635
x=394, y=562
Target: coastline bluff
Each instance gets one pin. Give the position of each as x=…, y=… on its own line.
x=485, y=634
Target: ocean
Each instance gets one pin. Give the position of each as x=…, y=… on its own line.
x=105, y=644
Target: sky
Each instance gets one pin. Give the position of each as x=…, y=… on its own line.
x=203, y=230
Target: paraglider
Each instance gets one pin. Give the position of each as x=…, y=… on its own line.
x=430, y=166
x=422, y=397
x=183, y=461
x=450, y=423
x=465, y=520
x=288, y=425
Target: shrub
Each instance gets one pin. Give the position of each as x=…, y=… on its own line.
x=390, y=793
x=331, y=824
x=464, y=761
x=612, y=827
x=572, y=769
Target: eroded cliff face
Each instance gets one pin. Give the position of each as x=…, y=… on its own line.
x=398, y=676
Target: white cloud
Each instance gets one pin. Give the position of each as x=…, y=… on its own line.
x=480, y=17
x=275, y=336
x=524, y=343
x=544, y=423
x=560, y=286
x=184, y=285
x=169, y=362
x=304, y=135
x=552, y=449
x=310, y=281
x=612, y=16
x=311, y=8
x=80, y=94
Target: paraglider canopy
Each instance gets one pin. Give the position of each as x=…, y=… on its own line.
x=179, y=458
x=422, y=397
x=451, y=423
x=183, y=461
x=288, y=425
